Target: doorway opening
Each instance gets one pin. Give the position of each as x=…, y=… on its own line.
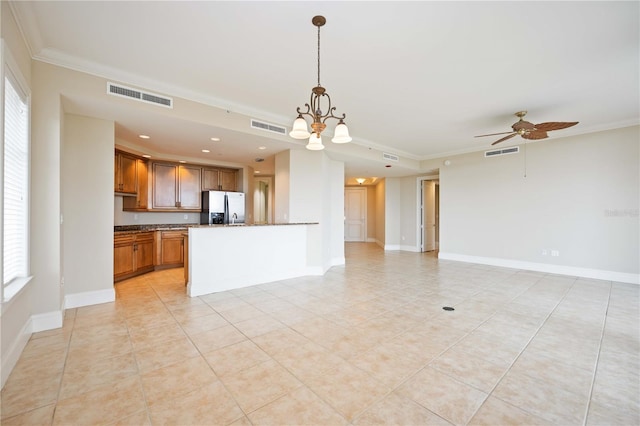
x=263, y=200
x=429, y=211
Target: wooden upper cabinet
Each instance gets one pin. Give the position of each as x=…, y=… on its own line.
x=176, y=186
x=228, y=180
x=189, y=187
x=210, y=180
x=125, y=173
x=141, y=200
x=219, y=179
x=165, y=186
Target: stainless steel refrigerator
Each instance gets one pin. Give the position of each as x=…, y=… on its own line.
x=220, y=207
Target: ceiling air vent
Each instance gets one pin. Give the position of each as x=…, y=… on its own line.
x=390, y=157
x=128, y=92
x=268, y=127
x=503, y=151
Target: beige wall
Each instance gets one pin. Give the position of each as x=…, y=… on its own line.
x=88, y=226
x=16, y=322
x=579, y=197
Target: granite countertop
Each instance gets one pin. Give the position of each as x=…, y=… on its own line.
x=246, y=225
x=136, y=229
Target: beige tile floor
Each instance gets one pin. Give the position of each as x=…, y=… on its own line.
x=368, y=343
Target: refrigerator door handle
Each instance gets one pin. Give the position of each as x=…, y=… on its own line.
x=226, y=210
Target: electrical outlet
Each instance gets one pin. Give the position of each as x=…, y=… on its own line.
x=186, y=216
x=135, y=216
x=544, y=252
x=555, y=253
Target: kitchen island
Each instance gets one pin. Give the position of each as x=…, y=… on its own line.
x=226, y=257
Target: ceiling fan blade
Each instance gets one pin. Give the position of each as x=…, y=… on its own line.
x=535, y=135
x=492, y=134
x=555, y=125
x=505, y=138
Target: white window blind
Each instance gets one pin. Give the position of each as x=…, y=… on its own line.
x=16, y=183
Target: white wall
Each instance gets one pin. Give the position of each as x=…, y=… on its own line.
x=580, y=197
x=334, y=197
x=393, y=213
x=281, y=187
x=380, y=212
x=88, y=226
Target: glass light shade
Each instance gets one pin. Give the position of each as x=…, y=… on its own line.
x=341, y=134
x=300, y=129
x=315, y=143
x=360, y=180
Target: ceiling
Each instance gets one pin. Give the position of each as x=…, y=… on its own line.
x=415, y=79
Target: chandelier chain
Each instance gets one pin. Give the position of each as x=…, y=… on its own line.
x=318, y=55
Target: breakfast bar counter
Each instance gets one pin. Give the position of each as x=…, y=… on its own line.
x=226, y=257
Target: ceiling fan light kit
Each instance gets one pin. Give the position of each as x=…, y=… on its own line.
x=314, y=111
x=529, y=130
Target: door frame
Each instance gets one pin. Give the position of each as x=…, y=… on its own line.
x=419, y=214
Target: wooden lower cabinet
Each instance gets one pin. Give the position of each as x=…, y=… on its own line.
x=170, y=249
x=133, y=254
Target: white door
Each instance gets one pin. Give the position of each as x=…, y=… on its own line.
x=428, y=215
x=355, y=214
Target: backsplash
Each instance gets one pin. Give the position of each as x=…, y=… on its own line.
x=121, y=218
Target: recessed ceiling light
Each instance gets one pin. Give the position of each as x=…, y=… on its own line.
x=215, y=139
x=144, y=137
x=262, y=147
x=257, y=171
x=182, y=161
x=146, y=156
x=205, y=150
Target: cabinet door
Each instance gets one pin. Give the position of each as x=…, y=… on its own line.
x=172, y=251
x=144, y=251
x=190, y=187
x=210, y=181
x=128, y=175
x=142, y=198
x=122, y=257
x=228, y=180
x=140, y=201
x=165, y=186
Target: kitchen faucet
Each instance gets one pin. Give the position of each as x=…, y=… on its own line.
x=233, y=218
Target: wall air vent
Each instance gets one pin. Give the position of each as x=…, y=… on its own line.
x=503, y=151
x=128, y=92
x=390, y=157
x=268, y=127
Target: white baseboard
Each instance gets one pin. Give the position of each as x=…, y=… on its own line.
x=413, y=249
x=87, y=298
x=598, y=274
x=46, y=321
x=10, y=358
x=337, y=261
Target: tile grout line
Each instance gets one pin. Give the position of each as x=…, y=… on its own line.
x=490, y=393
x=595, y=368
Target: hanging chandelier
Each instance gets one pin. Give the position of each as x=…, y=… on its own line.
x=314, y=111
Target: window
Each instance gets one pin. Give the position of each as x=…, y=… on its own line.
x=15, y=207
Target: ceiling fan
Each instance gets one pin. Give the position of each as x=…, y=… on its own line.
x=529, y=130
